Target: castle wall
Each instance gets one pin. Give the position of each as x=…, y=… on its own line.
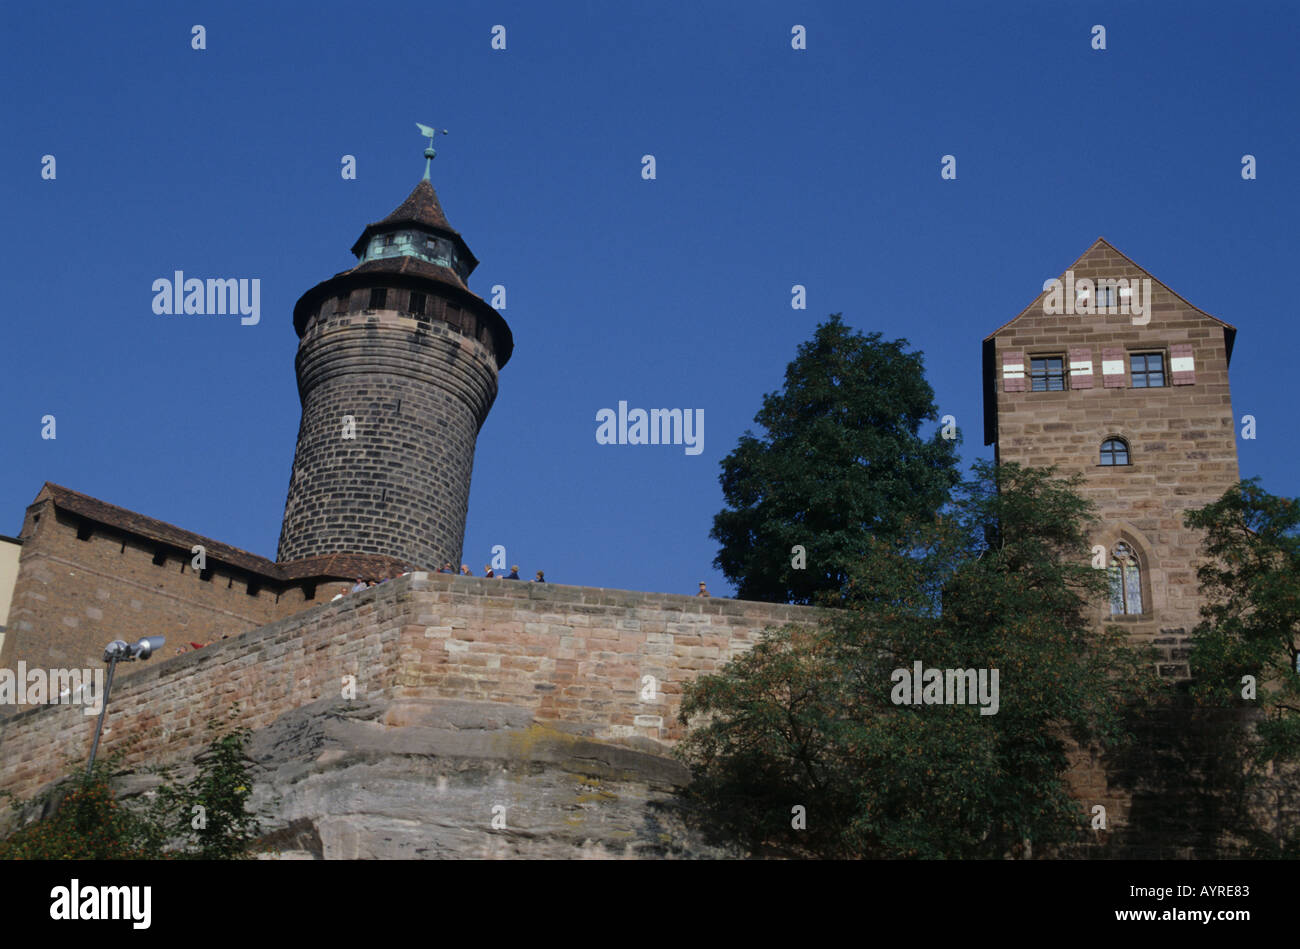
x=460, y=682
x=73, y=596
x=1181, y=438
x=575, y=657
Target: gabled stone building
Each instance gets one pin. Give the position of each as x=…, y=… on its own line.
x=1112, y=375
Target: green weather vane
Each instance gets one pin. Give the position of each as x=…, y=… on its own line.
x=429, y=152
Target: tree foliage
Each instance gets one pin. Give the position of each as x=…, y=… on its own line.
x=1250, y=626
x=85, y=820
x=840, y=460
x=808, y=717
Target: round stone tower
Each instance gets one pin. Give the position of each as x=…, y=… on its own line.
x=397, y=368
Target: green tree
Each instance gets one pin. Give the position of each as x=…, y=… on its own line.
x=841, y=459
x=86, y=822
x=1251, y=627
x=209, y=813
x=808, y=718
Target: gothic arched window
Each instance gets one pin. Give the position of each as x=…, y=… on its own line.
x=1125, y=581
x=1114, y=451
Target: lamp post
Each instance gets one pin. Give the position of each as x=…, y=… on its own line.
x=120, y=651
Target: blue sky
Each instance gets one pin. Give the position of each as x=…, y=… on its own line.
x=774, y=167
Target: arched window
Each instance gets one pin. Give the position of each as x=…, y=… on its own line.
x=1125, y=582
x=1114, y=451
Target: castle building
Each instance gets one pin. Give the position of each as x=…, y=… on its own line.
x=1111, y=375
x=397, y=368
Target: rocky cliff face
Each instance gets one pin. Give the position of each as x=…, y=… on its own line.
x=446, y=779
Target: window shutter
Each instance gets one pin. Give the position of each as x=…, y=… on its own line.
x=1113, y=368
x=1081, y=368
x=1181, y=365
x=1013, y=372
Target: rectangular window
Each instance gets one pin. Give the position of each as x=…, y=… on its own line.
x=378, y=297
x=1047, y=373
x=389, y=240
x=416, y=305
x=1148, y=370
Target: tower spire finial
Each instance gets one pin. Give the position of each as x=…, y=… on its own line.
x=429, y=152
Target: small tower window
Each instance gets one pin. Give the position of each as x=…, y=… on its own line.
x=1047, y=373
x=416, y=305
x=378, y=297
x=1148, y=370
x=1114, y=451
x=389, y=240
x=1125, y=582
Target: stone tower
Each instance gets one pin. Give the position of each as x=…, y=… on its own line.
x=1112, y=375
x=397, y=368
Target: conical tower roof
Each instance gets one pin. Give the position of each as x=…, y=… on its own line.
x=420, y=207
x=422, y=210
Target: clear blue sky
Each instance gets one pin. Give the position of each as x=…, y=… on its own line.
x=775, y=167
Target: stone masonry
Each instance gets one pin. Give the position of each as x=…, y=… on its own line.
x=397, y=368
x=1180, y=436
x=573, y=658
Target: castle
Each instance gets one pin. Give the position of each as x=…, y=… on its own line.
x=1108, y=374
x=397, y=368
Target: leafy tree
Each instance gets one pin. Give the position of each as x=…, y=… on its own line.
x=209, y=814
x=87, y=822
x=808, y=718
x=1251, y=627
x=841, y=459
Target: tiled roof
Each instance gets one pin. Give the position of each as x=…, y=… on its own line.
x=332, y=566
x=420, y=207
x=410, y=265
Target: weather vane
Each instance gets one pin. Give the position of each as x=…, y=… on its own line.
x=429, y=152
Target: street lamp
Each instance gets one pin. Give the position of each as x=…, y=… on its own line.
x=120, y=651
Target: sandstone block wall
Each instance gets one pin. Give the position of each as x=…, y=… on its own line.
x=1181, y=438
x=572, y=656
x=72, y=596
